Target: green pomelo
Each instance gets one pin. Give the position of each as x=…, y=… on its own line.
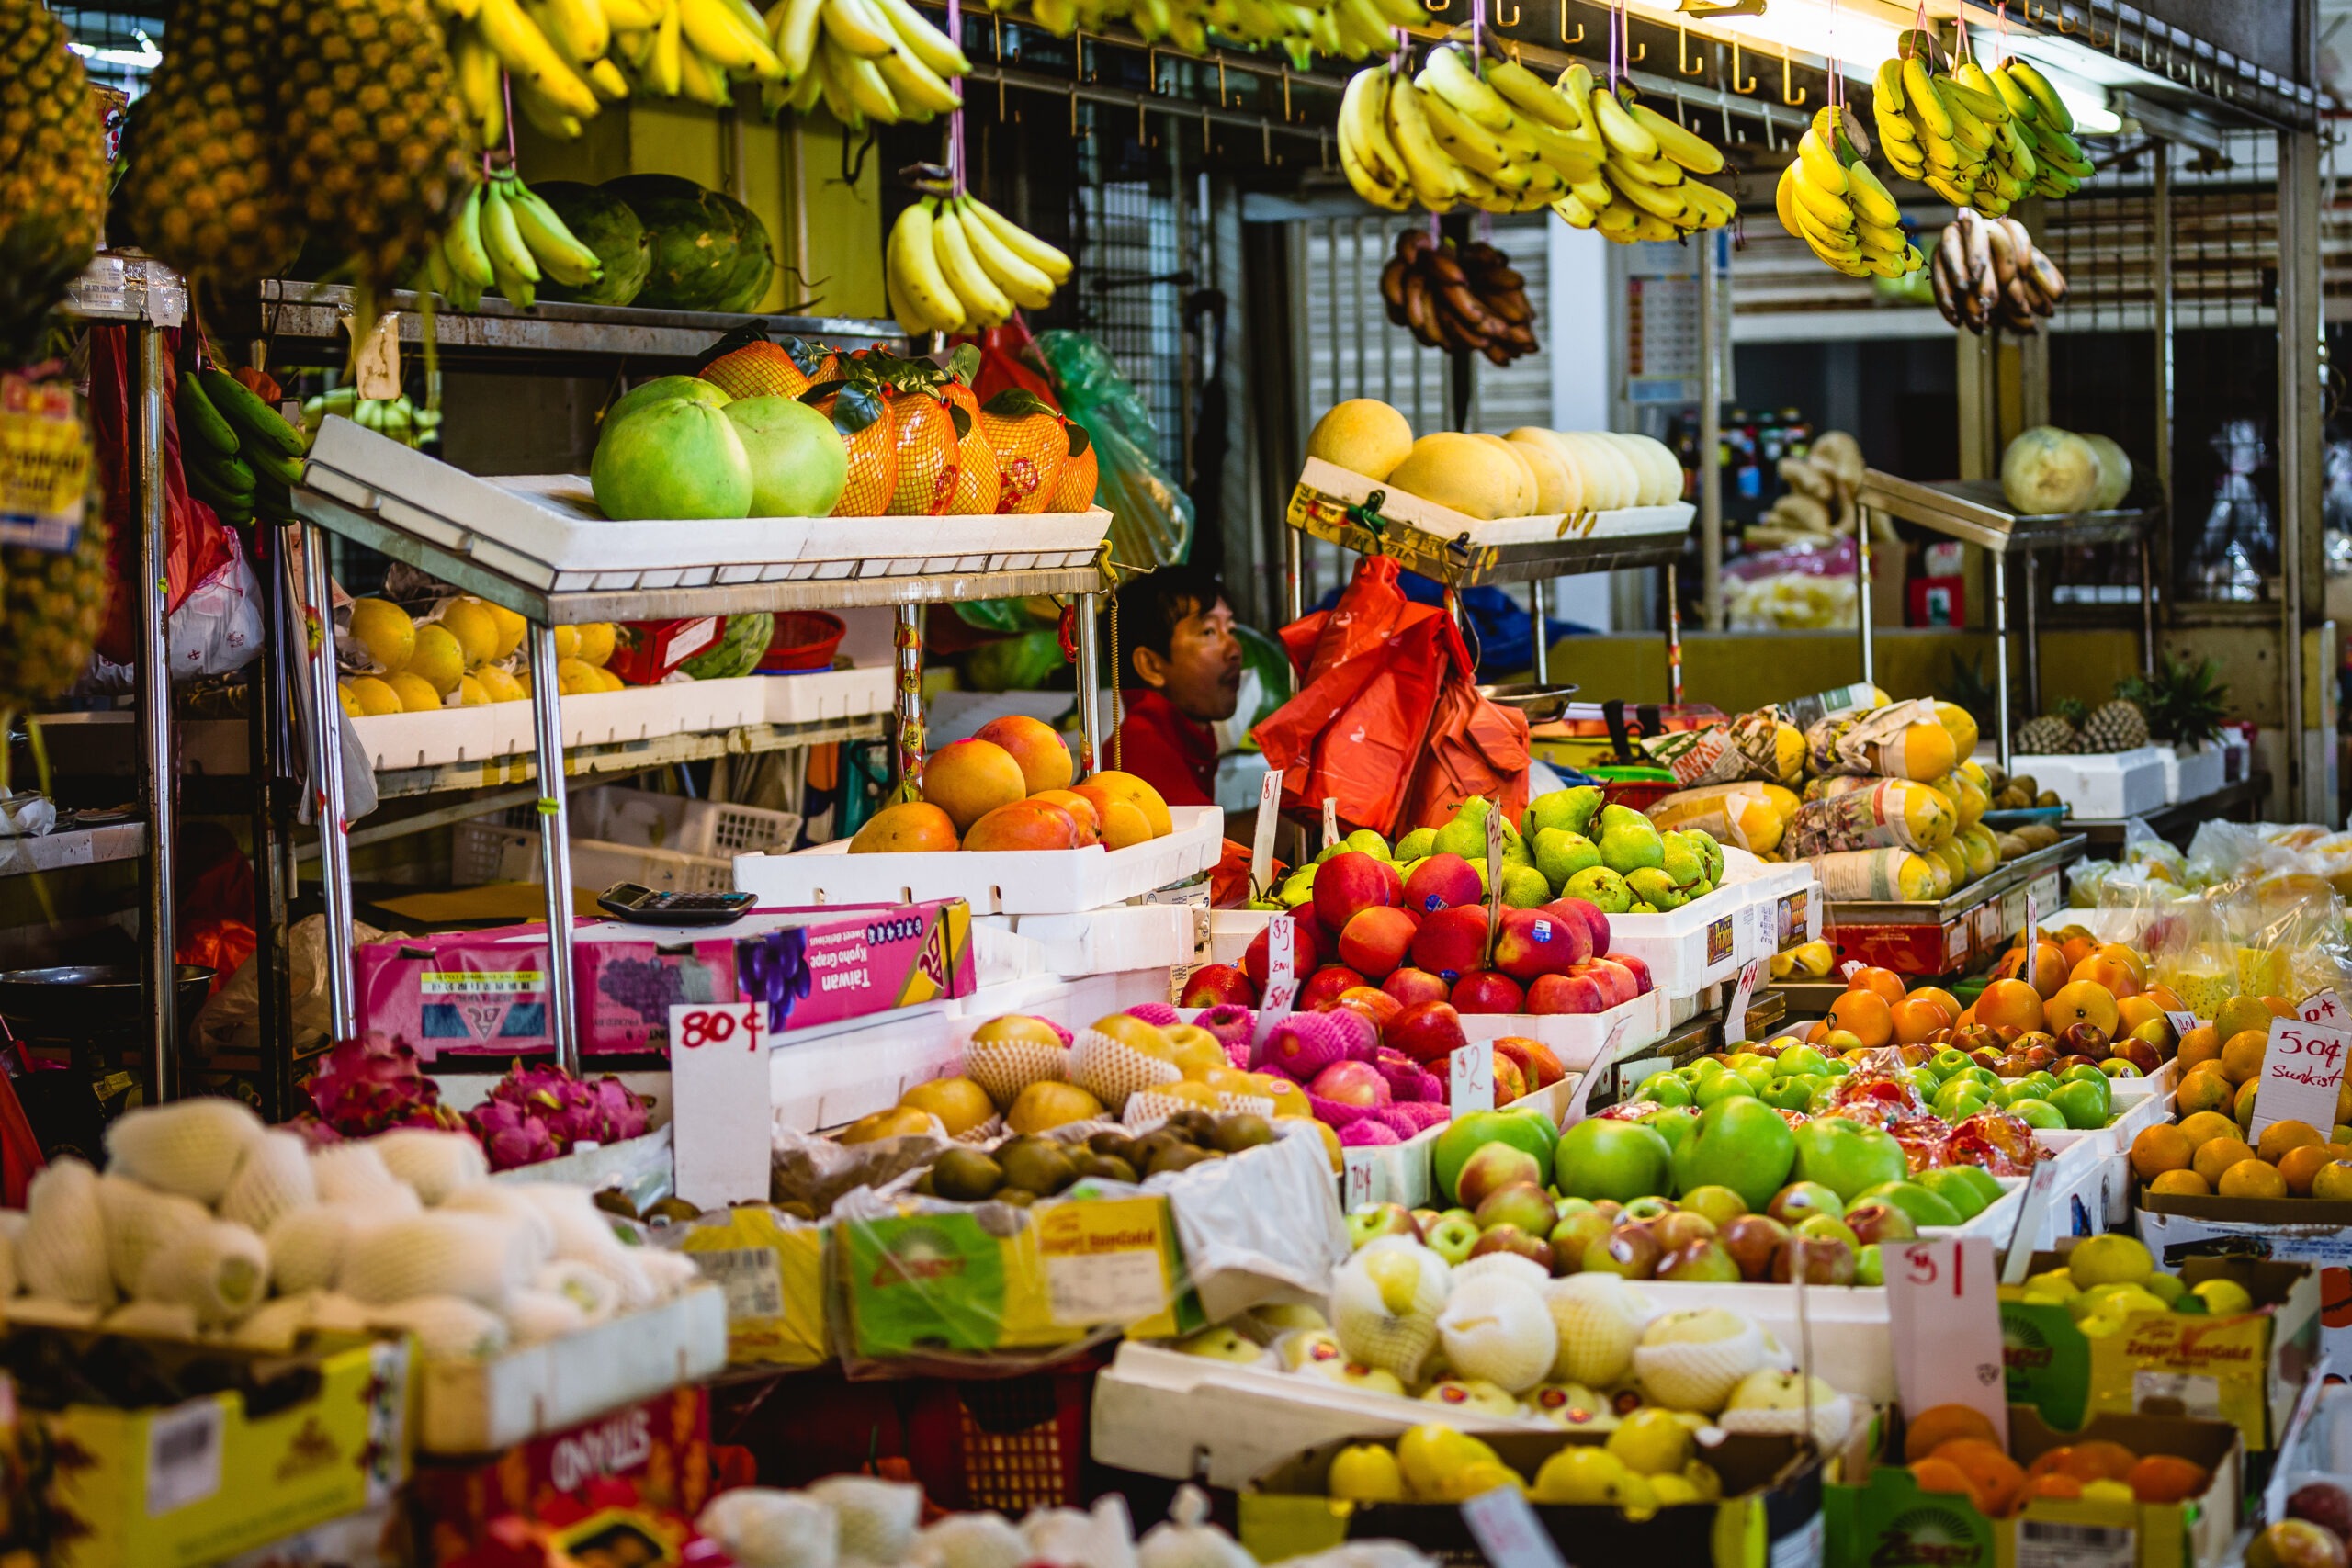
x=673, y=458
x=662, y=389
x=798, y=462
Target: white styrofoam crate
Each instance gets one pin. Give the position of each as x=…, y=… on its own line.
x=2194, y=774
x=2101, y=785
x=1577, y=1038
x=1132, y=936
x=1009, y=882
x=586, y=718
x=1628, y=522
x=819, y=694
x=1703, y=941
x=481, y=1408
x=544, y=529
x=485, y=852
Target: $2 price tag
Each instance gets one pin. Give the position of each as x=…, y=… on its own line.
x=719, y=1088
x=1470, y=1078
x=1946, y=1326
x=1735, y=1015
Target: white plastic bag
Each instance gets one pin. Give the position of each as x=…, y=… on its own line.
x=218, y=626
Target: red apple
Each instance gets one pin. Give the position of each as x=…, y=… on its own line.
x=1511, y=1083
x=1351, y=1083
x=1640, y=968
x=1306, y=947
x=1622, y=987
x=1346, y=883
x=1409, y=985
x=1372, y=1001
x=1578, y=993
x=1450, y=943
x=1487, y=990
x=1427, y=1031
x=1535, y=942
x=1375, y=941
x=1326, y=986
x=1596, y=924
x=1217, y=985
x=1441, y=882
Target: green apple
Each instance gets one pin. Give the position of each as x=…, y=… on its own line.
x=1665, y=1089
x=1825, y=1226
x=1723, y=1085
x=1803, y=1061
x=1924, y=1207
x=1717, y=1203
x=1789, y=1094
x=2038, y=1114
x=1465, y=1134
x=2084, y=1102
x=1870, y=1267
x=1845, y=1156
x=1740, y=1143
x=1603, y=1158
x=1947, y=1060
x=1968, y=1189
x=1673, y=1123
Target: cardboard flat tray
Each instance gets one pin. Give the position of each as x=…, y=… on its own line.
x=544, y=529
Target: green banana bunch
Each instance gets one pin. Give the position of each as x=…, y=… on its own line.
x=1977, y=138
x=1828, y=197
x=399, y=418
x=238, y=454
x=505, y=237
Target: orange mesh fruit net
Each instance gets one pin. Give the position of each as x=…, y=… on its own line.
x=976, y=478
x=1029, y=449
x=1074, y=488
x=873, y=466
x=928, y=464
x=757, y=370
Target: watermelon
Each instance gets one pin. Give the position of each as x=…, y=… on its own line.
x=709, y=251
x=605, y=223
x=740, y=644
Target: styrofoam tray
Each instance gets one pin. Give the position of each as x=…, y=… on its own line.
x=481, y=1408
x=828, y=695
x=1702, y=942
x=586, y=718
x=2193, y=776
x=1132, y=936
x=1628, y=522
x=2101, y=785
x=544, y=529
x=1007, y=882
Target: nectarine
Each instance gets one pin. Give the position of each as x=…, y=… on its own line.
x=1036, y=746
x=969, y=779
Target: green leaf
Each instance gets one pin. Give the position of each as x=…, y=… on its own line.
x=1015, y=402
x=857, y=407
x=961, y=418
x=1078, y=437
x=964, y=362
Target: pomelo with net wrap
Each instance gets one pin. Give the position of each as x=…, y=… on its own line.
x=928, y=464
x=1074, y=489
x=1031, y=446
x=872, y=452
x=977, y=475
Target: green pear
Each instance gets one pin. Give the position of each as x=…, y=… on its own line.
x=1628, y=841
x=1473, y=810
x=1570, y=810
x=1601, y=888
x=1560, y=855
x=1461, y=837
x=1643, y=907
x=1524, y=887
x=1416, y=845
x=1705, y=843
x=1651, y=885
x=1366, y=841
x=1516, y=853
x=1683, y=862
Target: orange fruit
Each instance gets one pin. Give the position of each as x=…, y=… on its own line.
x=1918, y=1020
x=2214, y=1158
x=2080, y=1001
x=2098, y=1460
x=873, y=462
x=2186, y=1184
x=2009, y=1004
x=2204, y=1126
x=2238, y=1014
x=1942, y=1475
x=2251, y=1178
x=928, y=466
x=2242, y=1054
x=2281, y=1007
x=2159, y=1149
x=1942, y=999
x=2204, y=1088
x=1941, y=1423
x=2053, y=1484
x=2297, y=1167
x=1865, y=1016
x=2200, y=1045
x=1074, y=489
x=2167, y=1478
x=2281, y=1137
x=761, y=369
x=2049, y=968
x=2333, y=1184
x=1885, y=983
x=2119, y=952
x=1030, y=449
x=2241, y=1108
x=1998, y=1479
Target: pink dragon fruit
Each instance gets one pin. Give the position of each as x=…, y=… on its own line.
x=625, y=1114
x=539, y=1112
x=511, y=1136
x=373, y=1083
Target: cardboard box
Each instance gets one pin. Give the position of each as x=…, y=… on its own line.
x=1880, y=1516
x=1771, y=1514
x=202, y=1479
x=486, y=991
x=2323, y=1247
x=2246, y=1369
x=772, y=1268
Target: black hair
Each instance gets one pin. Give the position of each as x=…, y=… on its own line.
x=1150, y=608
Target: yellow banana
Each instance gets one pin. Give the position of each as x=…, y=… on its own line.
x=530, y=57
x=1650, y=198
x=942, y=55
x=1468, y=143
x=630, y=16
x=720, y=38
x=915, y=85
x=1573, y=211
x=1434, y=175
x=1020, y=242
x=793, y=32
x=1870, y=200
x=1364, y=133
x=913, y=266
x=1574, y=158
x=1619, y=128
x=479, y=84
x=1450, y=76
x=607, y=81
x=984, y=303
x=1024, y=285
x=1888, y=86
x=859, y=29
x=1594, y=192
x=469, y=261
x=1822, y=169
x=863, y=81
x=1526, y=92
x=1921, y=99
x=578, y=29
x=1834, y=210
x=1694, y=153
x=668, y=69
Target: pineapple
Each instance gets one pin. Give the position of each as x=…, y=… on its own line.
x=52, y=173
x=52, y=605
x=2118, y=725
x=2183, y=705
x=2051, y=735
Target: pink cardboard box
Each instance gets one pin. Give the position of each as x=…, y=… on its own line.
x=485, y=992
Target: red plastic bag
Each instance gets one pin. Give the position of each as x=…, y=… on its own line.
x=1005, y=364
x=1477, y=747
x=1369, y=671
x=198, y=542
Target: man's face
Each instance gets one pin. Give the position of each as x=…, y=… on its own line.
x=1202, y=674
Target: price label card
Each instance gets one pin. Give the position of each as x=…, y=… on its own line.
x=1261, y=842
x=1602, y=1068
x=1507, y=1531
x=2302, y=1073
x=2181, y=1020
x=1945, y=1323
x=1282, y=972
x=1470, y=1077
x=379, y=369
x=2032, y=928
x=1851, y=967
x=1494, y=880
x=719, y=1085
x=1330, y=821
x=2324, y=1007
x=1736, y=1016
x=2039, y=1188
x=1360, y=1182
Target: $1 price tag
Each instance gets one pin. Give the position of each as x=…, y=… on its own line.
x=1470, y=1078
x=719, y=1088
x=1946, y=1326
x=1261, y=842
x=1735, y=1015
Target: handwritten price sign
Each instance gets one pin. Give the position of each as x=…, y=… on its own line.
x=1735, y=1015
x=2302, y=1073
x=719, y=1085
x=1945, y=1324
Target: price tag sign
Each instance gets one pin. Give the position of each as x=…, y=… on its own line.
x=1261, y=842
x=379, y=369
x=1736, y=1016
x=2324, y=1007
x=2181, y=1020
x=1603, y=1066
x=1330, y=820
x=1470, y=1078
x=1360, y=1182
x=1281, y=973
x=1494, y=881
x=1507, y=1531
x=2039, y=1188
x=2032, y=928
x=719, y=1085
x=2302, y=1073
x=1945, y=1323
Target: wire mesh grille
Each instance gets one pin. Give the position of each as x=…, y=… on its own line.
x=120, y=48
x=1130, y=289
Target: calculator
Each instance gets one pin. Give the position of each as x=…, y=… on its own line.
x=644, y=906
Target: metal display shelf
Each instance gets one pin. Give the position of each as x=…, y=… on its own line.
x=629, y=757
x=1974, y=512
x=73, y=848
x=291, y=312
x=544, y=610
x=1918, y=938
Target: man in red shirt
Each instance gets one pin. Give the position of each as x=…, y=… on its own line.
x=1179, y=671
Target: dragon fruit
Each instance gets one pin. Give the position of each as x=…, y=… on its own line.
x=539, y=1112
x=373, y=1084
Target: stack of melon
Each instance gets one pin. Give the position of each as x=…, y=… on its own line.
x=1532, y=472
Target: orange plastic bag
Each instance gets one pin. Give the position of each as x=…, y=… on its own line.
x=1371, y=668
x=1477, y=747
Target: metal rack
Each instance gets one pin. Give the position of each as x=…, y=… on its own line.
x=1974, y=512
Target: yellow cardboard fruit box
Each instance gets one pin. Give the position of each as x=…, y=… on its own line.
x=2244, y=1369
x=1880, y=1516
x=772, y=1267
x=204, y=1479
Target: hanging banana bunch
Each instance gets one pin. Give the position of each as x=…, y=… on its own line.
x=1828, y=197
x=1977, y=138
x=506, y=238
x=957, y=264
x=878, y=61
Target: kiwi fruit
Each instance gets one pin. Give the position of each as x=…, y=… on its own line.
x=672, y=1210
x=1115, y=1144
x=1192, y=1125
x=1140, y=1154
x=795, y=1209
x=1041, y=1168
x=1104, y=1167
x=1182, y=1157
x=612, y=1201
x=1019, y=1197
x=965, y=1176
x=924, y=1186
x=1234, y=1134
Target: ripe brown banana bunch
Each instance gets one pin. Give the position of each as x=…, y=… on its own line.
x=1458, y=297
x=1987, y=270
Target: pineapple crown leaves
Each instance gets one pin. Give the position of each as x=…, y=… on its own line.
x=2184, y=703
x=2074, y=710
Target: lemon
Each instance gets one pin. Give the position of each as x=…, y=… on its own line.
x=1672, y=1489
x=416, y=692
x=385, y=631
x=596, y=639
x=2054, y=1282
x=2113, y=1259
x=470, y=622
x=1366, y=1473
x=1650, y=1441
x=2104, y=1491
x=608, y=681
x=512, y=629
x=2166, y=1288
x=567, y=642
x=1704, y=1481
x=574, y=678
x=2099, y=1326
x=2222, y=1297
x=438, y=658
x=498, y=686
x=350, y=702
x=1581, y=1474
x=470, y=695
x=1481, y=1477
x=375, y=697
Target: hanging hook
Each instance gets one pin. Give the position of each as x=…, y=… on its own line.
x=1495, y=9
x=1802, y=92
x=1637, y=53
x=1737, y=86
x=1684, y=60
x=1564, y=28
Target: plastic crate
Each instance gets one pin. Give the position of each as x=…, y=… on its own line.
x=1010, y=1444
x=491, y=851
x=667, y=842
x=675, y=822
